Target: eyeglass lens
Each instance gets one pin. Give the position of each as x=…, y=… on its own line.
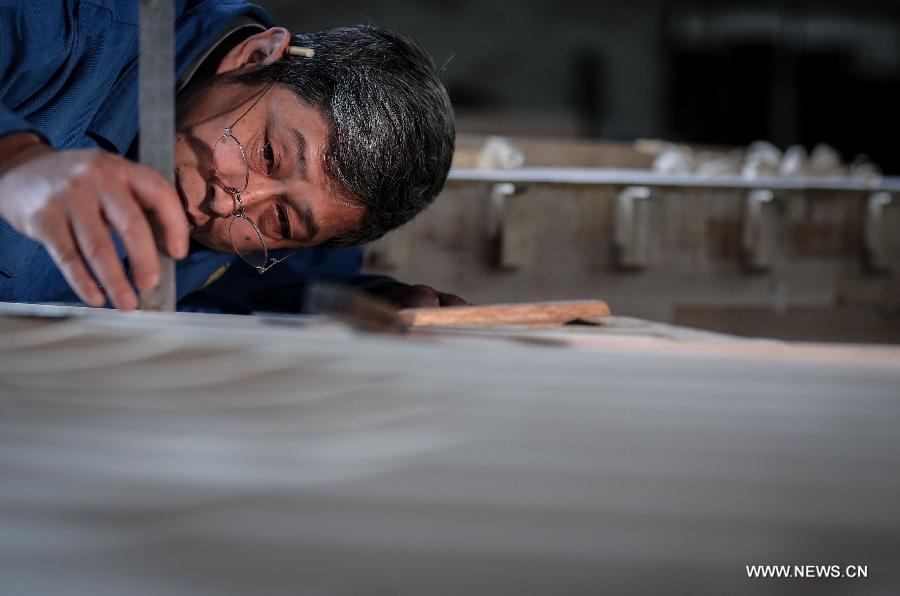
x=231, y=164
x=248, y=242
x=233, y=171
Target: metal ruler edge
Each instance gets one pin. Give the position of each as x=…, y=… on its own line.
x=156, y=105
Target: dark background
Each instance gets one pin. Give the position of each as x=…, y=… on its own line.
x=722, y=72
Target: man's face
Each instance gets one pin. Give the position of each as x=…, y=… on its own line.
x=288, y=196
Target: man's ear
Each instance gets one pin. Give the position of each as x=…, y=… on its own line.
x=259, y=49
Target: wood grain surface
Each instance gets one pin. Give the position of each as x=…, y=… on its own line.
x=149, y=453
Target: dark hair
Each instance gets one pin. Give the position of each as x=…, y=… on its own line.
x=391, y=125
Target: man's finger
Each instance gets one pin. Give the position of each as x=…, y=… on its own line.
x=60, y=244
x=97, y=248
x=156, y=195
x=133, y=228
x=451, y=300
x=421, y=296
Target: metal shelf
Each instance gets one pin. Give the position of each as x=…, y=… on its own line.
x=633, y=177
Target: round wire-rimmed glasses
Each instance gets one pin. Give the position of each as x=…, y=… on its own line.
x=233, y=170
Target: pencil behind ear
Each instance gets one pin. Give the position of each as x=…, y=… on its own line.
x=297, y=49
x=301, y=52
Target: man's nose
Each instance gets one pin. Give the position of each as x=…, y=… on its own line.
x=221, y=202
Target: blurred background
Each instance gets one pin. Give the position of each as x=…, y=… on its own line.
x=574, y=84
x=716, y=71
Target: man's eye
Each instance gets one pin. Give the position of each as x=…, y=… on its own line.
x=283, y=220
x=269, y=156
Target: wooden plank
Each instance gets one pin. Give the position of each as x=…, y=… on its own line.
x=539, y=313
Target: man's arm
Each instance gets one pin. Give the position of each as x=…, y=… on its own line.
x=403, y=295
x=70, y=200
x=239, y=289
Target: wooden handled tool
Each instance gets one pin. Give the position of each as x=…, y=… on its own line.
x=538, y=313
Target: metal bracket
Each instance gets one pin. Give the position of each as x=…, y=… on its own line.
x=876, y=253
x=509, y=239
x=631, y=237
x=759, y=231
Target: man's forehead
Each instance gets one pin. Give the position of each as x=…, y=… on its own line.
x=304, y=126
x=304, y=129
x=299, y=124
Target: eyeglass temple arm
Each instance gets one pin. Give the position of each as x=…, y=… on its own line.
x=306, y=52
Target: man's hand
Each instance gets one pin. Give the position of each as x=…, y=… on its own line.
x=70, y=201
x=404, y=296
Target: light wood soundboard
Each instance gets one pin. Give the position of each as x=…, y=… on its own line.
x=149, y=453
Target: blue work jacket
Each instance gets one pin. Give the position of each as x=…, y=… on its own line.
x=68, y=72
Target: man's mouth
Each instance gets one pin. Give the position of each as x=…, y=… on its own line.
x=184, y=202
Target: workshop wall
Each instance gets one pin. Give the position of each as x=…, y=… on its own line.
x=698, y=71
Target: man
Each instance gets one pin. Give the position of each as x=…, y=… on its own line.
x=287, y=163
